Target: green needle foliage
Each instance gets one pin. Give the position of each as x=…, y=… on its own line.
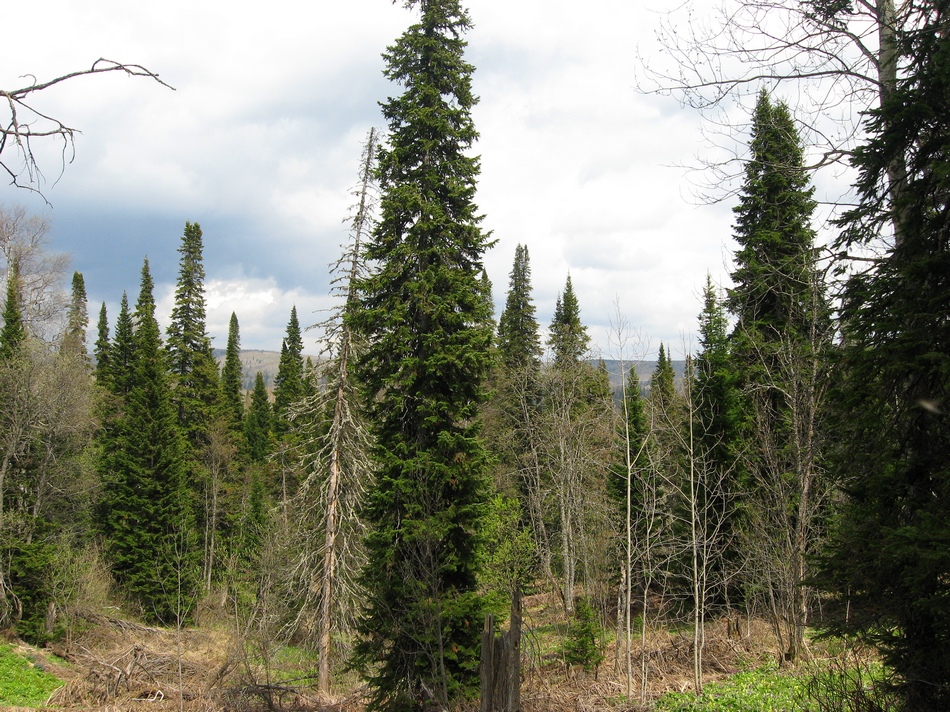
x=145, y=510
x=231, y=399
x=289, y=382
x=427, y=325
x=13, y=332
x=189, y=348
x=890, y=551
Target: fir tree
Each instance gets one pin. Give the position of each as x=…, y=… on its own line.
x=717, y=418
x=145, y=507
x=778, y=345
x=519, y=344
x=189, y=347
x=289, y=382
x=116, y=375
x=102, y=346
x=663, y=386
x=774, y=277
x=232, y=378
x=889, y=555
x=77, y=319
x=568, y=337
x=428, y=331
x=258, y=423
x=13, y=333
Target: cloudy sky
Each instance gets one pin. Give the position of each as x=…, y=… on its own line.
x=260, y=144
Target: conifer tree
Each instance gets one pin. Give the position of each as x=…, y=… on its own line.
x=512, y=414
x=258, y=422
x=428, y=329
x=232, y=378
x=102, y=346
x=778, y=346
x=189, y=347
x=715, y=394
x=663, y=385
x=289, y=381
x=888, y=556
x=145, y=508
x=13, y=333
x=77, y=319
x=519, y=343
x=568, y=337
x=716, y=414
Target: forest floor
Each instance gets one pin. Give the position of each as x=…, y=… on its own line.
x=116, y=664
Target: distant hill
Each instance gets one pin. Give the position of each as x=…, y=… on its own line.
x=644, y=370
x=254, y=360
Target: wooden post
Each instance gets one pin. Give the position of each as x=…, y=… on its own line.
x=501, y=663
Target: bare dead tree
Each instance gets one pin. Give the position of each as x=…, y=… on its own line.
x=341, y=470
x=25, y=122
x=577, y=435
x=830, y=62
x=40, y=271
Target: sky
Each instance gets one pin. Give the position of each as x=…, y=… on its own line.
x=260, y=144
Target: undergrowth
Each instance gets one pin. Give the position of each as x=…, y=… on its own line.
x=759, y=690
x=22, y=683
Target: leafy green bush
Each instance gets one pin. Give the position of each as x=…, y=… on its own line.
x=23, y=684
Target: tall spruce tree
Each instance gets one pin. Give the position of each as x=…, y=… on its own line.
x=13, y=333
x=258, y=423
x=145, y=508
x=519, y=343
x=101, y=347
x=232, y=378
x=428, y=330
x=889, y=555
x=77, y=319
x=778, y=345
x=568, y=336
x=663, y=386
x=189, y=348
x=716, y=415
x=289, y=381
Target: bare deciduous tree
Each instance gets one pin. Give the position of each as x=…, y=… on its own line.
x=25, y=122
x=830, y=61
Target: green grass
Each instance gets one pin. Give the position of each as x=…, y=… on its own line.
x=23, y=684
x=760, y=690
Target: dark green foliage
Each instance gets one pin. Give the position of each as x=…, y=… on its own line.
x=778, y=347
x=584, y=642
x=101, y=349
x=717, y=423
x=519, y=344
x=289, y=382
x=189, y=348
x=663, y=386
x=115, y=374
x=774, y=274
x=257, y=423
x=77, y=319
x=13, y=333
x=145, y=508
x=31, y=581
x=428, y=332
x=890, y=550
x=232, y=378
x=568, y=337
x=716, y=397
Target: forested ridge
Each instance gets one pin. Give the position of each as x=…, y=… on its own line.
x=778, y=497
